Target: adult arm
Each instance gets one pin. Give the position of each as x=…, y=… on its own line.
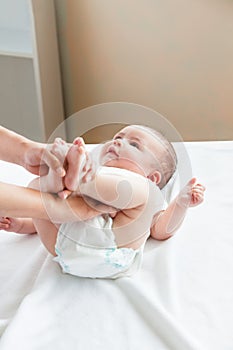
x=16, y=201
x=33, y=156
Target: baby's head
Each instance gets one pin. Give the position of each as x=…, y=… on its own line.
x=142, y=150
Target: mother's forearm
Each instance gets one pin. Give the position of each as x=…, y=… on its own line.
x=19, y=201
x=14, y=146
x=16, y=201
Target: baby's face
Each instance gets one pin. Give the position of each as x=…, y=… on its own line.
x=134, y=149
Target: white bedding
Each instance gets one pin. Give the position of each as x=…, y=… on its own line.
x=181, y=299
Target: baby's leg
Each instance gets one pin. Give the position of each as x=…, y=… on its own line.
x=46, y=230
x=74, y=159
x=52, y=183
x=17, y=225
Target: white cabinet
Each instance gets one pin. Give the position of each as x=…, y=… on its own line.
x=30, y=83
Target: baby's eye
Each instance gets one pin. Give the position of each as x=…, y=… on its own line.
x=134, y=144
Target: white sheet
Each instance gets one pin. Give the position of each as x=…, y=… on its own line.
x=181, y=299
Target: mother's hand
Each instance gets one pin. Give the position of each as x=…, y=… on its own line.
x=38, y=159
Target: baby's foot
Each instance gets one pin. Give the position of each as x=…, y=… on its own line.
x=74, y=159
x=11, y=224
x=4, y=223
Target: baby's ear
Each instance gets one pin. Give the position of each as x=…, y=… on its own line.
x=155, y=177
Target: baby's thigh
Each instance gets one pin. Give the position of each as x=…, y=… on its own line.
x=47, y=232
x=130, y=229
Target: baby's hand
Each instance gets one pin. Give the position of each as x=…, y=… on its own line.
x=10, y=224
x=89, y=169
x=191, y=195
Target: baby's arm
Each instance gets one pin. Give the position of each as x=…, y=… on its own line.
x=168, y=221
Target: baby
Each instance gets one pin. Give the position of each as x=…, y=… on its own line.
x=134, y=167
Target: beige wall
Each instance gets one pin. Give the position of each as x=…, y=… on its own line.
x=175, y=57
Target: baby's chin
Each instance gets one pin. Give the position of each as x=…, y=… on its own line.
x=125, y=164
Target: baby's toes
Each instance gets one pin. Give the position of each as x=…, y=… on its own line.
x=4, y=223
x=78, y=141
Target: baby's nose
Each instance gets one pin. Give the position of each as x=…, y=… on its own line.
x=117, y=142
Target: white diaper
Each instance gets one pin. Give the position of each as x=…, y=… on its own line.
x=88, y=249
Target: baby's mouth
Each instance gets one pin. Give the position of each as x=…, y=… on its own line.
x=112, y=150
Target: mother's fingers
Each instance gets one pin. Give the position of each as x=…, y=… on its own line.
x=52, y=161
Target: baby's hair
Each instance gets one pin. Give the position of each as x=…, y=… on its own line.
x=168, y=160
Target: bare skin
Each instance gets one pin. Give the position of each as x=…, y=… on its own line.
x=162, y=227
x=71, y=156
x=33, y=156
x=74, y=162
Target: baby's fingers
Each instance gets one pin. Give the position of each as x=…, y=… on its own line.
x=88, y=176
x=89, y=169
x=197, y=197
x=87, y=164
x=197, y=194
x=198, y=190
x=200, y=187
